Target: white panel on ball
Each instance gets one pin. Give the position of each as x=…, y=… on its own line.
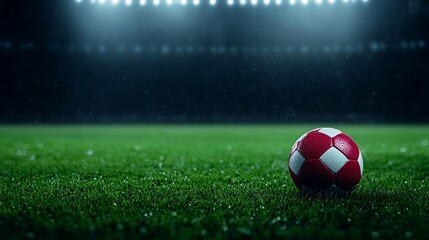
x=331, y=132
x=334, y=189
x=360, y=161
x=334, y=159
x=295, y=162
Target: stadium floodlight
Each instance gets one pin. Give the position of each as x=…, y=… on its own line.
x=227, y=2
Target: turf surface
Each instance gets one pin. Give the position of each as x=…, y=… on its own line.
x=190, y=182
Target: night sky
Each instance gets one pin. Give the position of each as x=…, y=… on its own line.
x=61, y=61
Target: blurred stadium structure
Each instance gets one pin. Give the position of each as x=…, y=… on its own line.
x=214, y=61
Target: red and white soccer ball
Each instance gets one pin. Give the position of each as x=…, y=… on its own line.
x=325, y=160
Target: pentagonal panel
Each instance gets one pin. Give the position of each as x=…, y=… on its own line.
x=348, y=176
x=346, y=145
x=334, y=159
x=315, y=175
x=314, y=145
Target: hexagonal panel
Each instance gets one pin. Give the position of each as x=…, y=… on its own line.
x=348, y=176
x=314, y=145
x=315, y=175
x=346, y=145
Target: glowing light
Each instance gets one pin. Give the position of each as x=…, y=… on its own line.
x=228, y=2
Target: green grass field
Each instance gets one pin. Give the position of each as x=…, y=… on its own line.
x=190, y=182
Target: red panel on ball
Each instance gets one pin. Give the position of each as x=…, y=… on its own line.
x=315, y=175
x=314, y=145
x=347, y=146
x=348, y=176
x=294, y=147
x=295, y=178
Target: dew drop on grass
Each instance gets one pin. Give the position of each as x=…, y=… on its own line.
x=224, y=228
x=143, y=230
x=31, y=235
x=119, y=226
x=203, y=232
x=403, y=150
x=425, y=142
x=137, y=148
x=21, y=153
x=349, y=219
x=229, y=148
x=161, y=158
x=374, y=234
x=89, y=152
x=32, y=158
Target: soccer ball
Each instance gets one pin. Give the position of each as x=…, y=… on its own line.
x=325, y=160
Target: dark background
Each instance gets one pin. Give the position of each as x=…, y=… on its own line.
x=66, y=62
